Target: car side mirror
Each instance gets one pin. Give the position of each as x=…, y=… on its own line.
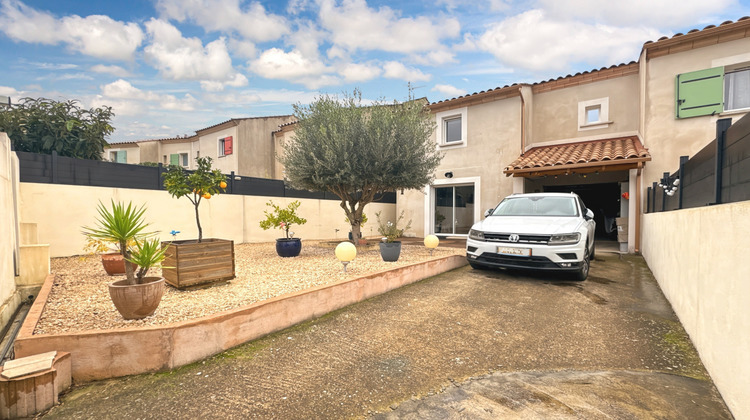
x=488, y=212
x=589, y=214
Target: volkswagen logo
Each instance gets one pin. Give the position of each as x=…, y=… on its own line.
x=513, y=237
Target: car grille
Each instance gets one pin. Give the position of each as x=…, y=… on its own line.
x=518, y=262
x=523, y=239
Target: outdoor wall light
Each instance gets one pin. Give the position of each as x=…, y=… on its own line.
x=237, y=178
x=345, y=252
x=431, y=242
x=449, y=174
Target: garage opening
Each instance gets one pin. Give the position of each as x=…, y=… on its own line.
x=603, y=199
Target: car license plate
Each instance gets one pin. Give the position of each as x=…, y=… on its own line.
x=524, y=252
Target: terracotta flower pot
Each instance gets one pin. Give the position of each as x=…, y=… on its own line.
x=114, y=264
x=136, y=301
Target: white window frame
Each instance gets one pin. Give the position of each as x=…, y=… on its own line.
x=220, y=146
x=729, y=70
x=186, y=161
x=584, y=106
x=442, y=117
x=429, y=205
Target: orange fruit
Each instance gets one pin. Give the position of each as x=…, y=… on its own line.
x=223, y=184
x=206, y=196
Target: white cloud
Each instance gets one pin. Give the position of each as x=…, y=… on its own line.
x=180, y=58
x=535, y=42
x=293, y=66
x=127, y=99
x=213, y=86
x=95, y=35
x=244, y=49
x=354, y=72
x=226, y=16
x=674, y=13
x=8, y=91
x=396, y=70
x=261, y=97
x=448, y=90
x=354, y=25
x=435, y=58
x=113, y=70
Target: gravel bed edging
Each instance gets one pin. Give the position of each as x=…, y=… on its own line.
x=126, y=351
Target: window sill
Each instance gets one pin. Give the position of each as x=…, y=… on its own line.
x=734, y=111
x=452, y=144
x=594, y=126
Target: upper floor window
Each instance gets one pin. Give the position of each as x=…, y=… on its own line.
x=451, y=127
x=225, y=146
x=712, y=91
x=737, y=89
x=593, y=114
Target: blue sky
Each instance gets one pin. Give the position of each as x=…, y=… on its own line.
x=170, y=67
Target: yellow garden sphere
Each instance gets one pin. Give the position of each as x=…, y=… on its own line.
x=431, y=241
x=346, y=251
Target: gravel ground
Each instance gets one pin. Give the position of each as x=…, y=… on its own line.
x=79, y=300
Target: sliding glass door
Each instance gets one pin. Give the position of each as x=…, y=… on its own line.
x=454, y=210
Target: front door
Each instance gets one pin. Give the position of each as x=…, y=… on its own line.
x=454, y=210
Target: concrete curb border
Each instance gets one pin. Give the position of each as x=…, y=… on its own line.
x=107, y=354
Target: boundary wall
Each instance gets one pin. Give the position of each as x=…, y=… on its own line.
x=699, y=257
x=60, y=211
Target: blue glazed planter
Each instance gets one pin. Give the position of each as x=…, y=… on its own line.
x=288, y=247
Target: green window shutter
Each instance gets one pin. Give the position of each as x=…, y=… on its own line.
x=121, y=157
x=700, y=93
x=174, y=159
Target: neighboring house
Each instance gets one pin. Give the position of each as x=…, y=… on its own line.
x=601, y=134
x=244, y=146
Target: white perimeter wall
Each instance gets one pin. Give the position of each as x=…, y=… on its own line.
x=61, y=210
x=701, y=259
x=9, y=299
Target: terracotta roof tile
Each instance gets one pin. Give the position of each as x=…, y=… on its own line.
x=597, y=151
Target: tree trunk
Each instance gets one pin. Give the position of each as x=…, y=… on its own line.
x=129, y=274
x=198, y=221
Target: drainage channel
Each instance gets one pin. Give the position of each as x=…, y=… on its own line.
x=10, y=331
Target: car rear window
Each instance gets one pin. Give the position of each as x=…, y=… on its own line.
x=537, y=206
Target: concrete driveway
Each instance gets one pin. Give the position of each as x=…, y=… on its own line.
x=466, y=344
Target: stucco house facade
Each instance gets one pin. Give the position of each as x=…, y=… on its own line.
x=605, y=134
x=244, y=146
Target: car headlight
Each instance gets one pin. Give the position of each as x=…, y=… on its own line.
x=565, y=239
x=476, y=235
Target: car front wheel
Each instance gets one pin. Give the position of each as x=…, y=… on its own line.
x=583, y=272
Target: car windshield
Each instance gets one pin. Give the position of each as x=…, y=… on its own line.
x=537, y=206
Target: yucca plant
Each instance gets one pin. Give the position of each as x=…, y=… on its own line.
x=120, y=224
x=146, y=254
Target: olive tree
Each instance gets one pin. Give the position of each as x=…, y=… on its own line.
x=360, y=152
x=44, y=125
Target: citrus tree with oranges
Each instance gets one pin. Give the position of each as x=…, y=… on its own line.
x=197, y=185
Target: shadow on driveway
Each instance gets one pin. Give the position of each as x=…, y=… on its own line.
x=465, y=344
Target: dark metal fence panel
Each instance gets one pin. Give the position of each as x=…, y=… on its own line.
x=698, y=188
x=49, y=169
x=728, y=158
x=736, y=166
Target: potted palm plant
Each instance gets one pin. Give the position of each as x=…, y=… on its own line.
x=284, y=218
x=204, y=261
x=137, y=296
x=390, y=248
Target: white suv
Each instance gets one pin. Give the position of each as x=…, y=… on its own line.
x=541, y=231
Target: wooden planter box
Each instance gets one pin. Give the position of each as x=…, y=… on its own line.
x=198, y=263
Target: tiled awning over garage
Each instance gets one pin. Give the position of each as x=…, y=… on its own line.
x=606, y=155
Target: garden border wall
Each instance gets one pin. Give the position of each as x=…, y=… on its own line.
x=112, y=353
